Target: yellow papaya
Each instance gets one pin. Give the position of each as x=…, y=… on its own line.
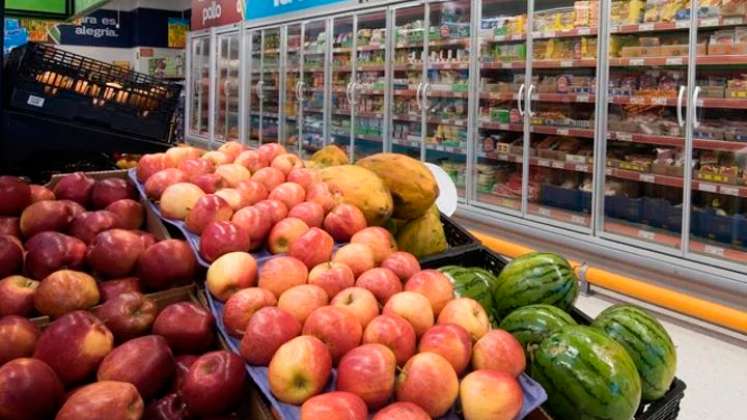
x=362, y=188
x=329, y=155
x=411, y=183
x=423, y=236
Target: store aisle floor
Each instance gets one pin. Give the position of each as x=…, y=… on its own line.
x=712, y=362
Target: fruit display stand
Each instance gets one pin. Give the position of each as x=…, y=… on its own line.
x=665, y=408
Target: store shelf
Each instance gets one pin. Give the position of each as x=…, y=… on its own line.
x=503, y=38
x=431, y=120
x=573, y=33
x=500, y=126
x=541, y=64
x=449, y=66
x=562, y=131
x=678, y=25
x=439, y=43
x=374, y=115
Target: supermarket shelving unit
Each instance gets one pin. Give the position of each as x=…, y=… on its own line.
x=554, y=117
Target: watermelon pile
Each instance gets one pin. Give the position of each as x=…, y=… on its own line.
x=603, y=370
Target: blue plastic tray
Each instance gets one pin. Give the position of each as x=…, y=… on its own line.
x=534, y=394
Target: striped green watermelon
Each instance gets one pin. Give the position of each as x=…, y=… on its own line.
x=532, y=324
x=586, y=375
x=647, y=343
x=473, y=282
x=535, y=278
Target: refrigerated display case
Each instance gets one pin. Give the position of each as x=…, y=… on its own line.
x=227, y=97
x=311, y=89
x=200, y=76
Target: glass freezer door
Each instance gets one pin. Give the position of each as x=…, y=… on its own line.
x=270, y=86
x=341, y=110
x=291, y=116
x=312, y=87
x=200, y=106
x=370, y=84
x=227, y=99
x=254, y=104
x=445, y=92
x=501, y=85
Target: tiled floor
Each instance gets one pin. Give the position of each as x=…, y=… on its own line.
x=712, y=363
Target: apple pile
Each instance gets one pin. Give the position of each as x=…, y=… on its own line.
x=79, y=229
x=402, y=343
x=241, y=200
x=162, y=368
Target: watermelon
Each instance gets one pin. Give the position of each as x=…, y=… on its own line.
x=532, y=324
x=535, y=278
x=473, y=282
x=647, y=343
x=586, y=375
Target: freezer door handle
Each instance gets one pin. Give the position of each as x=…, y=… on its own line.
x=529, y=100
x=696, y=95
x=426, y=92
x=349, y=95
x=520, y=99
x=258, y=88
x=680, y=96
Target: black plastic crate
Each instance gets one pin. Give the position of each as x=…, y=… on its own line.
x=46, y=80
x=457, y=237
x=665, y=408
x=559, y=197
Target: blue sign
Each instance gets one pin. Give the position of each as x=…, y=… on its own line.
x=257, y=9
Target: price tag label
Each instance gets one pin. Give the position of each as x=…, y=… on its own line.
x=566, y=63
x=647, y=178
x=714, y=250
x=582, y=168
x=729, y=190
x=582, y=98
x=563, y=131
x=503, y=157
x=584, y=31
x=708, y=187
x=558, y=165
x=35, y=101
x=579, y=220
x=659, y=101
x=614, y=28
x=674, y=61
x=682, y=24
x=646, y=27
x=636, y=62
x=709, y=22
x=507, y=65
x=503, y=126
x=644, y=234
x=637, y=100
x=624, y=136
x=735, y=20
x=543, y=162
x=609, y=171
x=544, y=212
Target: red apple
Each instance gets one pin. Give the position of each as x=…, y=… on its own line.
x=489, y=394
x=336, y=405
x=109, y=190
x=287, y=162
x=114, y=253
x=74, y=345
x=267, y=330
x=360, y=302
x=380, y=241
x=103, y=400
x=75, y=187
x=434, y=285
x=219, y=238
x=217, y=158
x=252, y=191
x=393, y=332
x=18, y=336
x=214, y=383
x=209, y=208
x=358, y=257
x=302, y=300
x=46, y=215
x=15, y=195
x=11, y=256
x=147, y=238
x=10, y=226
x=337, y=327
x=256, y=222
x=368, y=371
x=501, y=351
x=450, y=341
x=240, y=307
x=232, y=149
x=289, y=194
x=158, y=182
x=429, y=381
x=269, y=177
x=182, y=364
x=29, y=389
x=187, y=327
x=179, y=199
x=52, y=251
x=233, y=197
x=281, y=273
x=319, y=193
x=128, y=315
x=233, y=174
x=299, y=369
x=344, y=221
x=181, y=154
x=129, y=212
x=303, y=177
x=250, y=159
x=310, y=212
x=151, y=163
x=332, y=277
x=268, y=152
x=403, y=264
x=112, y=288
x=145, y=362
x=196, y=167
x=74, y=208
x=382, y=282
x=313, y=247
x=89, y=224
x=167, y=264
x=402, y=411
x=65, y=291
x=210, y=183
x=276, y=210
x=40, y=193
x=230, y=273
x=170, y=407
x=17, y=295
x=468, y=314
x=414, y=308
x=284, y=233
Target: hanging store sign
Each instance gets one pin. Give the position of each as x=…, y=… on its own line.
x=209, y=13
x=258, y=9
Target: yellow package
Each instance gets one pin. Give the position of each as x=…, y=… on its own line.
x=517, y=25
x=635, y=12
